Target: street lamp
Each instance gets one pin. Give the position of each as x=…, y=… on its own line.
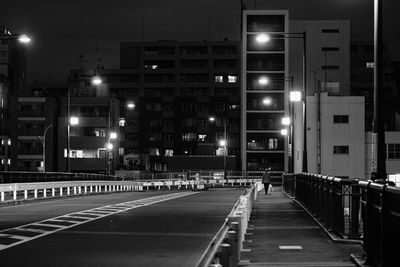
x=72, y=121
x=43, y=139
x=22, y=38
x=223, y=143
x=263, y=38
x=378, y=164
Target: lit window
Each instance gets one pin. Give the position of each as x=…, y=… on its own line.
x=232, y=78
x=219, y=78
x=340, y=150
x=202, y=137
x=169, y=152
x=370, y=65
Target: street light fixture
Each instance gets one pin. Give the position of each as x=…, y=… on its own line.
x=295, y=96
x=263, y=38
x=284, y=132
x=97, y=80
x=286, y=121
x=23, y=38
x=222, y=142
x=263, y=80
x=267, y=101
x=130, y=105
x=43, y=139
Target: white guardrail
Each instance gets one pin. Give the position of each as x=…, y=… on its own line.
x=224, y=249
x=14, y=192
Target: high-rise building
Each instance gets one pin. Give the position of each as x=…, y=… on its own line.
x=264, y=88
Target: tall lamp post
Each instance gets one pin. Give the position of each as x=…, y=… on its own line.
x=263, y=38
x=223, y=143
x=378, y=165
x=43, y=139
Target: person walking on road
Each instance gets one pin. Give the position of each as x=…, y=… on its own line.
x=266, y=180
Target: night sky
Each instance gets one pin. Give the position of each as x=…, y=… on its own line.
x=62, y=30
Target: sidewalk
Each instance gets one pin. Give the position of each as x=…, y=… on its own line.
x=281, y=233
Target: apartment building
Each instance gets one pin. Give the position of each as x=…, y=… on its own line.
x=159, y=103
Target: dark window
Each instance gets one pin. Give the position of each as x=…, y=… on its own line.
x=340, y=118
x=329, y=30
x=330, y=67
x=393, y=151
x=340, y=150
x=329, y=48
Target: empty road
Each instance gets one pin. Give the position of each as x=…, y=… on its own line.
x=155, y=228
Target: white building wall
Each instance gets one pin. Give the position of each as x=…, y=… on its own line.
x=316, y=39
x=349, y=134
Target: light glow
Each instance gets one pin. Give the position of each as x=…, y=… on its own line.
x=74, y=121
x=267, y=101
x=285, y=121
x=284, y=132
x=295, y=96
x=222, y=142
x=96, y=80
x=23, y=38
x=109, y=146
x=263, y=80
x=262, y=38
x=113, y=135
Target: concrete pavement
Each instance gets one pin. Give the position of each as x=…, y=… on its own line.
x=281, y=233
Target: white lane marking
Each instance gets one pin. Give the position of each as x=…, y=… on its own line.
x=291, y=247
x=131, y=205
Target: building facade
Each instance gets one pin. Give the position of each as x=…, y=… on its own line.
x=173, y=88
x=264, y=90
x=335, y=135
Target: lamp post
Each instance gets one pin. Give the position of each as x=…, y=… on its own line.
x=43, y=139
x=223, y=143
x=378, y=164
x=263, y=38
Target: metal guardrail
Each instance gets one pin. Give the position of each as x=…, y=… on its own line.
x=29, y=177
x=224, y=249
x=12, y=192
x=364, y=210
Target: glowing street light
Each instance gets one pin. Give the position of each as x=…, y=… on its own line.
x=263, y=80
x=284, y=132
x=109, y=146
x=23, y=38
x=263, y=38
x=295, y=96
x=267, y=101
x=113, y=135
x=130, y=105
x=286, y=121
x=222, y=142
x=96, y=80
x=73, y=120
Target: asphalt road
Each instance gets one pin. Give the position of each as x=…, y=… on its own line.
x=125, y=229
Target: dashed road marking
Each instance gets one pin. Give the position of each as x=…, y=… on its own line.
x=17, y=235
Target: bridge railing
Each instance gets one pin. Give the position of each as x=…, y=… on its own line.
x=354, y=209
x=224, y=249
x=29, y=177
